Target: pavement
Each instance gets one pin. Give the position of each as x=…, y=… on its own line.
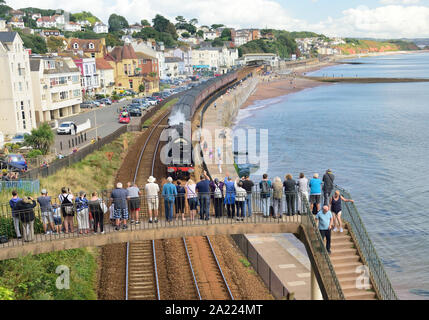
x=288, y=259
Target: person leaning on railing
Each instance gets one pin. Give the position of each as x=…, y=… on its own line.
x=335, y=205
x=191, y=196
x=240, y=199
x=25, y=208
x=67, y=209
x=229, y=196
x=290, y=191
x=169, y=193
x=277, y=198
x=15, y=216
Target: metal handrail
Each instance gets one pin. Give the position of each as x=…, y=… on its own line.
x=380, y=279
x=321, y=256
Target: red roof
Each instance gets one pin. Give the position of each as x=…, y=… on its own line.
x=102, y=64
x=122, y=53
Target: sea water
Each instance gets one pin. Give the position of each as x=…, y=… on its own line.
x=375, y=138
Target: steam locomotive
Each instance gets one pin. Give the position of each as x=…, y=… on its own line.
x=178, y=150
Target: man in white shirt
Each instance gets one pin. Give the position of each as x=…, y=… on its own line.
x=152, y=192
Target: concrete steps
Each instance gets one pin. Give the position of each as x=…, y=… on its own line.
x=346, y=262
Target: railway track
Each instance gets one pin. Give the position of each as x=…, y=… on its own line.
x=209, y=280
x=142, y=281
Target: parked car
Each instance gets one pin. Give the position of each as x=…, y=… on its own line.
x=87, y=105
x=66, y=128
x=15, y=161
x=135, y=112
x=19, y=137
x=106, y=101
x=101, y=104
x=152, y=101
x=124, y=117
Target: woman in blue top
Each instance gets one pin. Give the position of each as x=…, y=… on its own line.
x=315, y=192
x=230, y=196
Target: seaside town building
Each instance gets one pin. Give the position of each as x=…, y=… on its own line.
x=91, y=48
x=107, y=77
x=100, y=27
x=126, y=66
x=72, y=27
x=269, y=58
x=16, y=22
x=16, y=99
x=184, y=53
x=57, y=87
x=50, y=33
x=150, y=71
x=46, y=22
x=173, y=65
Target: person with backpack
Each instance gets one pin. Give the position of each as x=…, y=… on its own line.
x=216, y=187
x=67, y=209
x=229, y=196
x=240, y=199
x=328, y=186
x=248, y=186
x=265, y=187
x=15, y=216
x=277, y=198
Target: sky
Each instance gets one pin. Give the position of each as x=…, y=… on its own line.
x=345, y=18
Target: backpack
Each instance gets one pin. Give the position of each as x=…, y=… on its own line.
x=265, y=188
x=217, y=192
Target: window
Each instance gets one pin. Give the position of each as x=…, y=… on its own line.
x=91, y=45
x=75, y=46
x=131, y=84
x=93, y=55
x=76, y=93
x=64, y=95
x=75, y=78
x=93, y=67
x=20, y=86
x=86, y=69
x=19, y=69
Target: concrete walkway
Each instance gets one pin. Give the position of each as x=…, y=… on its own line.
x=287, y=258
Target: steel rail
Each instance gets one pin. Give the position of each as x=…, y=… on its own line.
x=220, y=268
x=158, y=295
x=192, y=269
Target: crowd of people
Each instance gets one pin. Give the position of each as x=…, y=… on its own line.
x=230, y=196
x=9, y=176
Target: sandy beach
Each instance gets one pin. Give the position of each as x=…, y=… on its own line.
x=285, y=84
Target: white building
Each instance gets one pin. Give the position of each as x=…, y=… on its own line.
x=205, y=59
x=184, y=54
x=16, y=95
x=106, y=75
x=172, y=67
x=210, y=35
x=72, y=27
x=57, y=87
x=83, y=23
x=36, y=16
x=100, y=27
x=16, y=22
x=46, y=22
x=89, y=76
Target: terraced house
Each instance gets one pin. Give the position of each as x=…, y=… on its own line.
x=90, y=48
x=126, y=65
x=57, y=87
x=16, y=93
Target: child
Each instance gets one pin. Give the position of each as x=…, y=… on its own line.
x=56, y=212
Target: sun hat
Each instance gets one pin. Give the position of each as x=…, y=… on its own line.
x=44, y=191
x=151, y=179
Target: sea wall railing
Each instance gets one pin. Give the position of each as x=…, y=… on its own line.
x=378, y=275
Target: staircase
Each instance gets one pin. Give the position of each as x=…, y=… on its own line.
x=345, y=259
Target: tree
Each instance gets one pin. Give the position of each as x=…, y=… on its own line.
x=226, y=35
x=215, y=26
x=55, y=44
x=141, y=88
x=180, y=20
x=218, y=42
x=145, y=23
x=112, y=40
x=186, y=35
x=193, y=21
x=162, y=24
x=34, y=42
x=117, y=23
x=41, y=138
x=200, y=33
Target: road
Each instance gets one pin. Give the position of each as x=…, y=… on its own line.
x=104, y=121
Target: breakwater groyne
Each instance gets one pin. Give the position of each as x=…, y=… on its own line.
x=364, y=80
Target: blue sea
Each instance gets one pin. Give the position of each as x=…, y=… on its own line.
x=375, y=138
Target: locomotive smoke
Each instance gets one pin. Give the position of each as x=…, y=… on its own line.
x=177, y=118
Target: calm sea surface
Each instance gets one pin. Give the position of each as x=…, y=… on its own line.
x=375, y=138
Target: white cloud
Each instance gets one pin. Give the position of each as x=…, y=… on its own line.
x=386, y=21
x=393, y=21
x=399, y=1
